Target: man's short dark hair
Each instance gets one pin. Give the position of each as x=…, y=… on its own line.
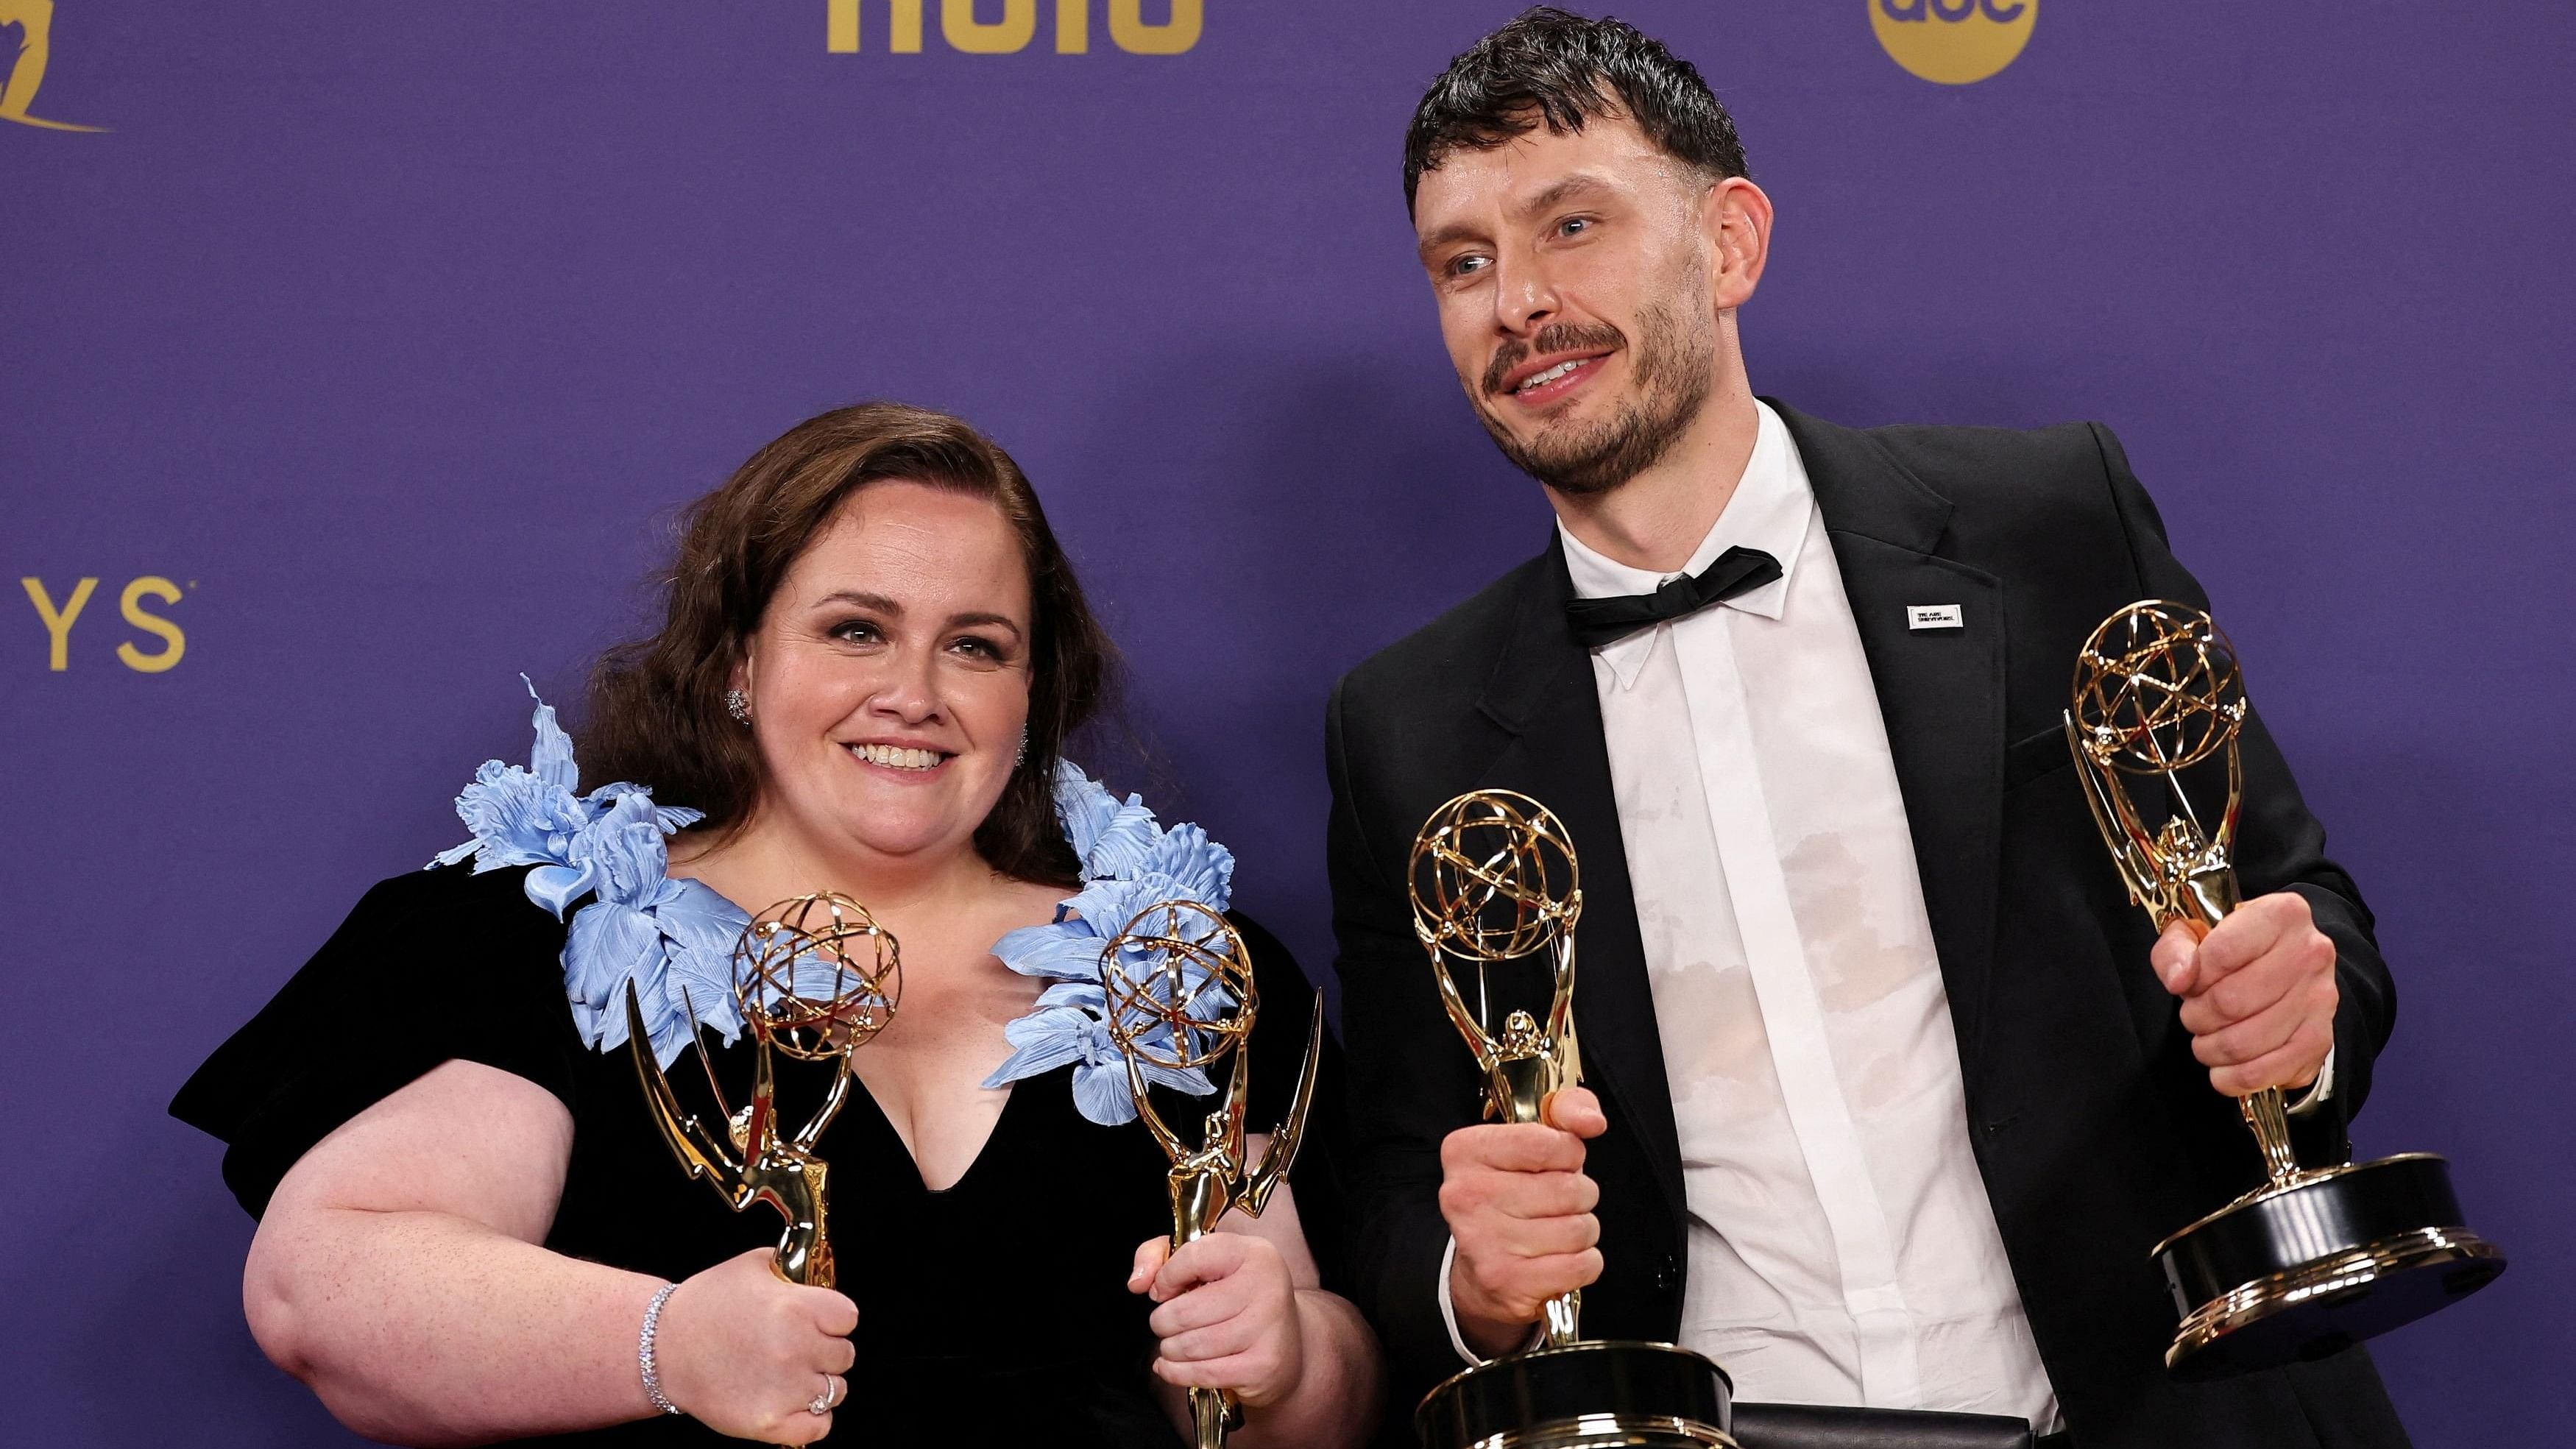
x=1551, y=68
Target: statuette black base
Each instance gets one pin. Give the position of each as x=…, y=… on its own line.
x=1582, y=1396
x=2338, y=1256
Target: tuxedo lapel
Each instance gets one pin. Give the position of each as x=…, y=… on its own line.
x=1940, y=691
x=1542, y=695
x=1941, y=695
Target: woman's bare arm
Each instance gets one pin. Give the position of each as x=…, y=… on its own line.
x=397, y=1272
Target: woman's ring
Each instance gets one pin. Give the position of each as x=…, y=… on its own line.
x=823, y=1401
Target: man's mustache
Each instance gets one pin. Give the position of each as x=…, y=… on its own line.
x=1554, y=337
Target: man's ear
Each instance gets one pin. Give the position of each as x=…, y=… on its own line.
x=1735, y=217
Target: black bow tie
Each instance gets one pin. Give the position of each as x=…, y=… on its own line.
x=1737, y=571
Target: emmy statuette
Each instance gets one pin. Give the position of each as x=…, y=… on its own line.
x=1494, y=879
x=2315, y=1259
x=815, y=977
x=1180, y=996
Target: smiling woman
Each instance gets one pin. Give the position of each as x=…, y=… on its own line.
x=800, y=524
x=873, y=653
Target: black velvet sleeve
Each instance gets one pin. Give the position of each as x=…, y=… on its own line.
x=430, y=967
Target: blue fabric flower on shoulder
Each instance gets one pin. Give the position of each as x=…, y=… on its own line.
x=1128, y=863
x=673, y=938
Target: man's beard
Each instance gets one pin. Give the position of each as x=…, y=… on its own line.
x=1672, y=369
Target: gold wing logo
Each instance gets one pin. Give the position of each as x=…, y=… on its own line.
x=34, y=20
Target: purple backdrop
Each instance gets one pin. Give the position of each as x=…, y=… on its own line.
x=388, y=335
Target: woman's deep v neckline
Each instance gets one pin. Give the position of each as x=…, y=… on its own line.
x=983, y=1150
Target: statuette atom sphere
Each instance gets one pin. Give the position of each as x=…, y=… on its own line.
x=2317, y=1258
x=1178, y=986
x=2157, y=689
x=1493, y=877
x=817, y=976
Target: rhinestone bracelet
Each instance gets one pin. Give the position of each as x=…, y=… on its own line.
x=644, y=1349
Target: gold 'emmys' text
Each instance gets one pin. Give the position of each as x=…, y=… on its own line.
x=59, y=614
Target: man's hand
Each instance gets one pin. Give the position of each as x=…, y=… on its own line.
x=2258, y=993
x=1521, y=1210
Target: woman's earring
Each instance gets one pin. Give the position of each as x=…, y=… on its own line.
x=738, y=705
x=1022, y=757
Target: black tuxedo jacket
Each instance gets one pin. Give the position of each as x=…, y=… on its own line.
x=2095, y=1130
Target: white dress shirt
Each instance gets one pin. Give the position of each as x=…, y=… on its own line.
x=1841, y=1247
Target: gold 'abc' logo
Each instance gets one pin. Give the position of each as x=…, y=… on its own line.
x=960, y=26
x=1954, y=42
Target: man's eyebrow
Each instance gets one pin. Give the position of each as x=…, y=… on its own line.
x=1441, y=239
x=1571, y=188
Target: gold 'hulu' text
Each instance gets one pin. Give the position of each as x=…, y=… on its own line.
x=1018, y=25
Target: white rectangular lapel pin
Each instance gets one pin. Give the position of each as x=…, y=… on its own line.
x=1933, y=616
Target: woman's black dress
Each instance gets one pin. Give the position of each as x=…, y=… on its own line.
x=995, y=1309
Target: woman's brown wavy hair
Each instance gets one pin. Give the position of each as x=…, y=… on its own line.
x=656, y=710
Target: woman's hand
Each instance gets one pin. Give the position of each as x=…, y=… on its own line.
x=746, y=1354
x=1229, y=1317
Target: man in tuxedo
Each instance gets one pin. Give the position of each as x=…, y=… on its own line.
x=1889, y=1087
